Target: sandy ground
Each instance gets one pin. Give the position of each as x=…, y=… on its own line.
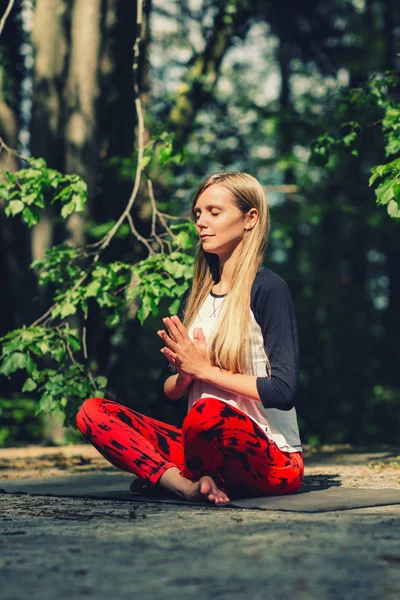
x=73, y=547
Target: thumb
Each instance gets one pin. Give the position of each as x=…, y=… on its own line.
x=198, y=335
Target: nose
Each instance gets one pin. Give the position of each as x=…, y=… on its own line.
x=201, y=222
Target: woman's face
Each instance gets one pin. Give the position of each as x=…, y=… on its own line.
x=220, y=223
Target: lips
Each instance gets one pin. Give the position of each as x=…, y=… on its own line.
x=205, y=236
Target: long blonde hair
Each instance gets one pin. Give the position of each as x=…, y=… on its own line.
x=229, y=347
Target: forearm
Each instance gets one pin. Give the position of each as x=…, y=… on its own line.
x=244, y=385
x=175, y=387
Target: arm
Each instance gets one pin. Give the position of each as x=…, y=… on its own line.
x=175, y=386
x=272, y=305
x=245, y=385
x=172, y=385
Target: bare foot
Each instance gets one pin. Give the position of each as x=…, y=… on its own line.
x=204, y=489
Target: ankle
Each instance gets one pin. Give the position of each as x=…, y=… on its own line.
x=172, y=480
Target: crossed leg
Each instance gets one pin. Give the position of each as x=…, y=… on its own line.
x=219, y=453
x=150, y=449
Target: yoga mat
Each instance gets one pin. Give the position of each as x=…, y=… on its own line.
x=115, y=486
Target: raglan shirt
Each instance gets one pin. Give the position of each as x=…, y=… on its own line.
x=273, y=327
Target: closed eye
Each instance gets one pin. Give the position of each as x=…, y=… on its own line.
x=214, y=214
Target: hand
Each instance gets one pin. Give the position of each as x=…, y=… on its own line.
x=189, y=358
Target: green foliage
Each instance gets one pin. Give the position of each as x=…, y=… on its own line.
x=158, y=276
x=388, y=191
x=51, y=355
x=347, y=138
x=371, y=101
x=19, y=421
x=98, y=230
x=158, y=151
x=379, y=89
x=52, y=369
x=26, y=190
x=59, y=266
x=164, y=275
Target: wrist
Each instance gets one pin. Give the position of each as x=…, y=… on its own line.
x=206, y=374
x=184, y=380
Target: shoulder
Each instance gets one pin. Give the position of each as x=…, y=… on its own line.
x=268, y=283
x=271, y=301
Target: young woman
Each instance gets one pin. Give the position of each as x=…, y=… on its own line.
x=234, y=348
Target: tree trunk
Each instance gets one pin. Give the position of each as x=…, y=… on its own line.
x=203, y=75
x=388, y=36
x=50, y=45
x=82, y=91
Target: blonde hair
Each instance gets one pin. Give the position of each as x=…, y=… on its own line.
x=229, y=347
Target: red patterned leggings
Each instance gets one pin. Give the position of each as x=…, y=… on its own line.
x=216, y=439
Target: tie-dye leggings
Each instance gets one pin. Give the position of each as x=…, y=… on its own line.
x=216, y=439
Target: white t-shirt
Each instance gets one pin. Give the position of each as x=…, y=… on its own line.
x=279, y=425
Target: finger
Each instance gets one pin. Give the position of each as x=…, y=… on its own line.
x=173, y=330
x=172, y=357
x=179, y=325
x=200, y=335
x=167, y=340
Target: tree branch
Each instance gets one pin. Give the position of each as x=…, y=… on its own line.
x=6, y=13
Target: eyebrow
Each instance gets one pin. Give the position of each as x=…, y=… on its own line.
x=208, y=207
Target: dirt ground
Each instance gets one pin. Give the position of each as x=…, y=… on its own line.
x=74, y=547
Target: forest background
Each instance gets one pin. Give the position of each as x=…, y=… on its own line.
x=125, y=106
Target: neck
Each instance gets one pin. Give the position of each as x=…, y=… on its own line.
x=226, y=268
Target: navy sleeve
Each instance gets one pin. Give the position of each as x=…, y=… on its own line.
x=272, y=305
x=168, y=368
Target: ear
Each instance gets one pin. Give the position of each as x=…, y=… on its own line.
x=251, y=218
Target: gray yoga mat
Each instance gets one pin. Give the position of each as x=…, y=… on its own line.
x=115, y=486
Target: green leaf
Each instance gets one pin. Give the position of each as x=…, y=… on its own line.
x=10, y=177
x=30, y=217
x=13, y=362
x=30, y=365
x=175, y=269
x=101, y=381
x=173, y=308
x=43, y=346
x=385, y=191
x=79, y=200
x=30, y=198
x=165, y=152
x=29, y=385
x=396, y=190
x=93, y=288
x=14, y=207
x=145, y=161
x=393, y=209
x=113, y=320
x=46, y=404
x=183, y=240
x=67, y=209
x=67, y=309
x=64, y=194
x=148, y=306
